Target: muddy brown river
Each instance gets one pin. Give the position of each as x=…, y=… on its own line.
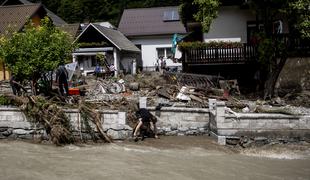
x=171, y=158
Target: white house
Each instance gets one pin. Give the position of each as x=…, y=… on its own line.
x=237, y=23
x=151, y=30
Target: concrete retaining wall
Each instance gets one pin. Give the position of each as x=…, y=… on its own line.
x=226, y=125
x=181, y=121
x=15, y=125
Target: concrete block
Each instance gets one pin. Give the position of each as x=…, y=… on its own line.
x=142, y=102
x=227, y=132
x=221, y=140
x=225, y=125
x=122, y=117
x=21, y=132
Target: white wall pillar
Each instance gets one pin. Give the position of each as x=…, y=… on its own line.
x=73, y=58
x=116, y=56
x=134, y=67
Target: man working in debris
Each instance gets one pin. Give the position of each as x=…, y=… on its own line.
x=146, y=119
x=61, y=79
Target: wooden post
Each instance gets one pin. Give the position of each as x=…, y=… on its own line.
x=4, y=73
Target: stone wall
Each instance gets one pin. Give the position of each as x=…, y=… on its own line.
x=295, y=74
x=181, y=121
x=225, y=125
x=15, y=125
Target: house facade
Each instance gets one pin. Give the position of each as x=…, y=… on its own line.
x=237, y=23
x=100, y=38
x=152, y=30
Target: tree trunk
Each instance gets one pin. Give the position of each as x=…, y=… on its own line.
x=273, y=77
x=33, y=87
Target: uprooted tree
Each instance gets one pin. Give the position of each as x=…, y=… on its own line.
x=34, y=51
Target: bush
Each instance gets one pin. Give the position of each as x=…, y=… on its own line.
x=212, y=44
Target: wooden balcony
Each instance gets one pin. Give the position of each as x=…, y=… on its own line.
x=220, y=55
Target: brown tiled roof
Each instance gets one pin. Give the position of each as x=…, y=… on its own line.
x=56, y=19
x=149, y=21
x=15, y=17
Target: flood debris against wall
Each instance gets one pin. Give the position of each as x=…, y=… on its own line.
x=181, y=102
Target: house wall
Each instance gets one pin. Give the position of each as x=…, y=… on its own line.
x=4, y=73
x=231, y=24
x=149, y=52
x=127, y=60
x=295, y=74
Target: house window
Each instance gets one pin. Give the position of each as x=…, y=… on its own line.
x=164, y=52
x=171, y=16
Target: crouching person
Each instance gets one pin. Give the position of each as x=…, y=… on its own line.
x=146, y=126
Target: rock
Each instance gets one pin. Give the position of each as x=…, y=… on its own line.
x=193, y=128
x=260, y=140
x=160, y=131
x=20, y=132
x=172, y=133
x=25, y=136
x=167, y=129
x=203, y=130
x=245, y=110
x=119, y=135
x=192, y=132
x=181, y=134
x=163, y=93
x=7, y=132
x=183, y=129
x=134, y=86
x=2, y=129
x=232, y=141
x=174, y=127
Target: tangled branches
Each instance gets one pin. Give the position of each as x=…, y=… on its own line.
x=53, y=118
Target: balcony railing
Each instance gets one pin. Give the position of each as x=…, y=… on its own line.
x=221, y=55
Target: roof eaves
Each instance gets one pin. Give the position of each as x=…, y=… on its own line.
x=107, y=37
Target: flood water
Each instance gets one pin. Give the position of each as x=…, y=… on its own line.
x=168, y=158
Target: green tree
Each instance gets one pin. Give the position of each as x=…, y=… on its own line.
x=36, y=50
x=273, y=50
x=73, y=11
x=203, y=11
